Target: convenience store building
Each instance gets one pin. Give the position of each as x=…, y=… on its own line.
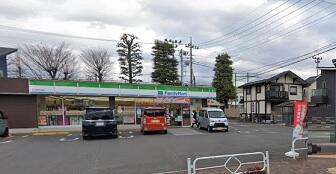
x=45, y=103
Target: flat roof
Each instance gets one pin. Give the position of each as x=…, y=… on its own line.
x=5, y=51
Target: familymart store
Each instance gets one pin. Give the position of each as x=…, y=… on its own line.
x=63, y=103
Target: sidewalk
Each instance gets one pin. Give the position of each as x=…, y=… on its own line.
x=316, y=164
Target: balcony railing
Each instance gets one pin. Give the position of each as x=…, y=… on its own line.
x=319, y=96
x=277, y=95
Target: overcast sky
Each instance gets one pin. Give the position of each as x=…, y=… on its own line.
x=293, y=28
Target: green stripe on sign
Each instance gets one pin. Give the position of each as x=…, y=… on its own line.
x=172, y=88
x=68, y=84
x=124, y=86
x=88, y=85
x=147, y=87
x=196, y=89
x=41, y=82
x=107, y=85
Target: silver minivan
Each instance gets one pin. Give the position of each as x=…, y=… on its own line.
x=3, y=125
x=212, y=119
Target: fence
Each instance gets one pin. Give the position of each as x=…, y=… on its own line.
x=292, y=153
x=192, y=166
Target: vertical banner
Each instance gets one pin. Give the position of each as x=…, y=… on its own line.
x=300, y=112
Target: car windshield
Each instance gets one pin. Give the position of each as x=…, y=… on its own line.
x=100, y=115
x=88, y=110
x=154, y=112
x=216, y=114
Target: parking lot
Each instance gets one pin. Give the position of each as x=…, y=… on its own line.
x=133, y=152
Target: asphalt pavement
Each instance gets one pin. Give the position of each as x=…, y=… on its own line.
x=134, y=153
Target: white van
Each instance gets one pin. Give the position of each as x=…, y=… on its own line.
x=212, y=119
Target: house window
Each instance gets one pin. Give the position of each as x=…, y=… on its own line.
x=258, y=89
x=293, y=90
x=248, y=91
x=324, y=84
x=275, y=88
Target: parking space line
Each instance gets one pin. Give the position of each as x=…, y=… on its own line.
x=24, y=136
x=68, y=140
x=5, y=142
x=175, y=171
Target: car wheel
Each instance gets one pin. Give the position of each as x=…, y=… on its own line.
x=209, y=129
x=165, y=132
x=85, y=137
x=227, y=129
x=6, y=133
x=144, y=132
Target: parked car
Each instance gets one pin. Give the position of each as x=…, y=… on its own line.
x=99, y=122
x=3, y=125
x=153, y=119
x=213, y=119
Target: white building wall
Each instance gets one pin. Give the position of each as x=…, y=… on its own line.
x=261, y=96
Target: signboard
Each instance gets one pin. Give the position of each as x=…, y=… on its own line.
x=42, y=120
x=172, y=100
x=300, y=112
x=111, y=89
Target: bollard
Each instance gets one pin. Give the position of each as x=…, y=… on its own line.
x=268, y=170
x=189, y=165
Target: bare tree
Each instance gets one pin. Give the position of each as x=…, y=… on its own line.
x=43, y=60
x=98, y=63
x=70, y=68
x=15, y=65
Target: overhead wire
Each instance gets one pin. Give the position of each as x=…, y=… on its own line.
x=241, y=27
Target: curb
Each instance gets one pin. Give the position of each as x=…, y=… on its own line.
x=50, y=133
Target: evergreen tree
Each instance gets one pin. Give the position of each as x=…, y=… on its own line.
x=130, y=58
x=164, y=63
x=223, y=79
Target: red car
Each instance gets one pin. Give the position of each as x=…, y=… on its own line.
x=153, y=120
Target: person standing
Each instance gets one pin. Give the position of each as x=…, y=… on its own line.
x=195, y=121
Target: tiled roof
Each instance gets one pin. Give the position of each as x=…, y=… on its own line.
x=290, y=73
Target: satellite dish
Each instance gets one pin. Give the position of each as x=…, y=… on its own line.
x=334, y=62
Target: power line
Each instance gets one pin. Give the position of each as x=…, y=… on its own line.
x=239, y=28
x=11, y=28
x=252, y=33
x=253, y=26
x=267, y=40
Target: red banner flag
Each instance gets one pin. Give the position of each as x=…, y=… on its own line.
x=300, y=112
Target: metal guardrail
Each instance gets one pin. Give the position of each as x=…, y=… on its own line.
x=192, y=166
x=293, y=149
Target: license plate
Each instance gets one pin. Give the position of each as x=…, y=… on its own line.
x=219, y=128
x=155, y=121
x=100, y=124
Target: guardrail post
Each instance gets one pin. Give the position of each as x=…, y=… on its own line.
x=189, y=166
x=268, y=170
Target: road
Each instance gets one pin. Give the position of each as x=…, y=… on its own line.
x=134, y=153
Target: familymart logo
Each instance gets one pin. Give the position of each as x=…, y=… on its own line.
x=172, y=93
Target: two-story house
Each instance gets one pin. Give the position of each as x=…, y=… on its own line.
x=262, y=97
x=322, y=112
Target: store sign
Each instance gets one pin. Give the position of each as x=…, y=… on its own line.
x=172, y=93
x=51, y=113
x=300, y=112
x=111, y=89
x=172, y=100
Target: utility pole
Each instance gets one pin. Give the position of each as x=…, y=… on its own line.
x=191, y=46
x=235, y=84
x=182, y=53
x=247, y=77
x=317, y=61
